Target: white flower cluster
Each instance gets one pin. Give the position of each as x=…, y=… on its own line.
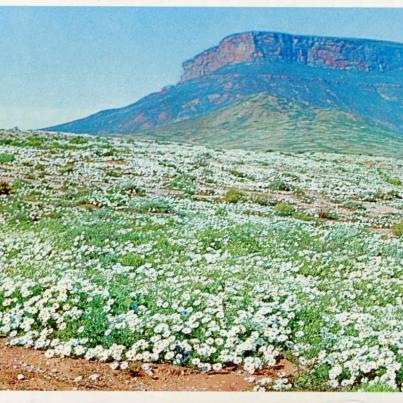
x=266, y=384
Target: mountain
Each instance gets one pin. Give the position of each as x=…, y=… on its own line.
x=357, y=76
x=263, y=122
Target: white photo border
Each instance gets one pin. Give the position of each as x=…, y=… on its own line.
x=201, y=397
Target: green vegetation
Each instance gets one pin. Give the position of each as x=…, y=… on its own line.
x=266, y=122
x=234, y=195
x=152, y=206
x=154, y=263
x=398, y=229
x=394, y=181
x=279, y=185
x=284, y=209
x=328, y=215
x=263, y=199
x=6, y=158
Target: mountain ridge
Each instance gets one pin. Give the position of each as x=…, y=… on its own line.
x=320, y=79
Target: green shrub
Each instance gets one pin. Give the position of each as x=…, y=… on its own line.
x=299, y=215
x=328, y=215
x=112, y=173
x=380, y=195
x=351, y=205
x=234, y=195
x=221, y=212
x=389, y=179
x=78, y=140
x=5, y=158
x=40, y=167
x=398, y=229
x=263, y=199
x=280, y=185
x=238, y=174
x=68, y=168
x=132, y=259
x=394, y=181
x=153, y=206
x=284, y=209
x=184, y=183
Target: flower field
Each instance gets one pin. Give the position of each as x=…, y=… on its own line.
x=131, y=251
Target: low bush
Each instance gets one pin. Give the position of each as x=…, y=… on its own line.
x=328, y=215
x=153, y=206
x=398, y=229
x=284, y=209
x=394, y=181
x=5, y=158
x=234, y=195
x=280, y=186
x=263, y=199
x=5, y=188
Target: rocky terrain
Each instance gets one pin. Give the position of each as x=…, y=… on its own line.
x=331, y=53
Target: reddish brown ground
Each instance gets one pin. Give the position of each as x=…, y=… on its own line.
x=117, y=162
x=41, y=373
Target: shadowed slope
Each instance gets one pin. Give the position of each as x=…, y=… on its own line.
x=266, y=122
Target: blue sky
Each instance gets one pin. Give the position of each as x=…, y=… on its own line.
x=58, y=64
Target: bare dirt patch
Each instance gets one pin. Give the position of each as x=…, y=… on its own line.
x=117, y=162
x=27, y=369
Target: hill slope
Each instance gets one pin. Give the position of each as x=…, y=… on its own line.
x=358, y=76
x=266, y=122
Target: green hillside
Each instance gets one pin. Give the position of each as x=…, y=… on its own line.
x=264, y=122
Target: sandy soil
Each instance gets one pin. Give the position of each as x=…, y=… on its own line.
x=27, y=369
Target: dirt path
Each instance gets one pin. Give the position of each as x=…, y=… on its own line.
x=27, y=369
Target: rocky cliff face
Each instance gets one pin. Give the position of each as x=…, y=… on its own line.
x=259, y=47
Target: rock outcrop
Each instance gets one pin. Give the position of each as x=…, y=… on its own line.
x=259, y=47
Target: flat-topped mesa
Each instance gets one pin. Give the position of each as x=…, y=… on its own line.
x=333, y=53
